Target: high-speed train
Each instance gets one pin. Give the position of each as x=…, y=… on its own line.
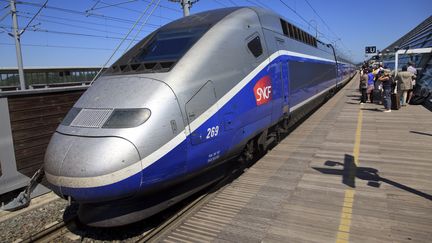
x=189, y=97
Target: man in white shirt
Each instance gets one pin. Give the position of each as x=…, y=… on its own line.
x=412, y=70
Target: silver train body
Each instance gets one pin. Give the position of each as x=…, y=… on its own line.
x=187, y=98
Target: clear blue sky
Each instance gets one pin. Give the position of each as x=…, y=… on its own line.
x=64, y=35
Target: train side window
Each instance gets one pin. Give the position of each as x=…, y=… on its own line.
x=291, y=30
x=297, y=33
x=255, y=46
x=284, y=27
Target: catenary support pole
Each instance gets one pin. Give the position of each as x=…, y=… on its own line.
x=16, y=35
x=186, y=6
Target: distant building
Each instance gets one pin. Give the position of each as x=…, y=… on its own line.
x=44, y=77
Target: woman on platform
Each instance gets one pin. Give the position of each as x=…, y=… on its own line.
x=387, y=82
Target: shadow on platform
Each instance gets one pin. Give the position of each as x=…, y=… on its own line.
x=421, y=133
x=350, y=171
x=352, y=103
x=372, y=109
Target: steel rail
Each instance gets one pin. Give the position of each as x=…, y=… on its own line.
x=52, y=232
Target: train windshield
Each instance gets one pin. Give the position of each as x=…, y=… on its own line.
x=170, y=45
x=163, y=48
x=159, y=51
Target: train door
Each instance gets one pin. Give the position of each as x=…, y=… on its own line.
x=279, y=83
x=204, y=127
x=285, y=85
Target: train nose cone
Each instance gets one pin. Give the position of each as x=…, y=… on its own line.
x=92, y=169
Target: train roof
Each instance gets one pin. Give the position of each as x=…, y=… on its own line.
x=207, y=18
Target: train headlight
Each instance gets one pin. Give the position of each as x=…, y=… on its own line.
x=126, y=118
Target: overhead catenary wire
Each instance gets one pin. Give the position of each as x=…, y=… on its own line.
x=253, y=3
x=34, y=16
x=95, y=4
x=220, y=3
x=59, y=46
x=76, y=26
x=232, y=2
x=2, y=17
x=256, y=3
x=71, y=11
x=132, y=10
x=164, y=6
x=307, y=22
x=263, y=4
x=142, y=25
x=324, y=22
x=121, y=42
x=109, y=5
x=67, y=33
x=21, y=13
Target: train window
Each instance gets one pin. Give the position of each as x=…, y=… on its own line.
x=302, y=36
x=255, y=46
x=284, y=27
x=291, y=30
x=296, y=33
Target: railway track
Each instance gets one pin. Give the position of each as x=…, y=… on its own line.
x=53, y=232
x=167, y=221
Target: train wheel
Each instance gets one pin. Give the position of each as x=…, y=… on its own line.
x=248, y=152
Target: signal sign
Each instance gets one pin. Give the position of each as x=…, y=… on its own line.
x=370, y=49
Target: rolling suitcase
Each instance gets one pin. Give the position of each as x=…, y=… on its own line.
x=376, y=96
x=395, y=101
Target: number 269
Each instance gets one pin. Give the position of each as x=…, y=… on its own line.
x=212, y=132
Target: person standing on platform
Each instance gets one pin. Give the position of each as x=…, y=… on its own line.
x=411, y=68
x=404, y=83
x=370, y=85
x=387, y=82
x=377, y=90
x=363, y=86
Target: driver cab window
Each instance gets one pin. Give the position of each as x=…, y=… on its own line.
x=255, y=46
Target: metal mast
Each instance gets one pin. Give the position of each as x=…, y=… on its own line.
x=16, y=35
x=186, y=5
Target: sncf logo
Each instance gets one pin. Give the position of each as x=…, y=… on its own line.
x=262, y=90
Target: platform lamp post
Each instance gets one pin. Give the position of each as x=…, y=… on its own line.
x=186, y=5
x=16, y=35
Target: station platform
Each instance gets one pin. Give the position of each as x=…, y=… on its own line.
x=349, y=173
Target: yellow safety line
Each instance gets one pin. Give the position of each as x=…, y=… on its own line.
x=346, y=214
